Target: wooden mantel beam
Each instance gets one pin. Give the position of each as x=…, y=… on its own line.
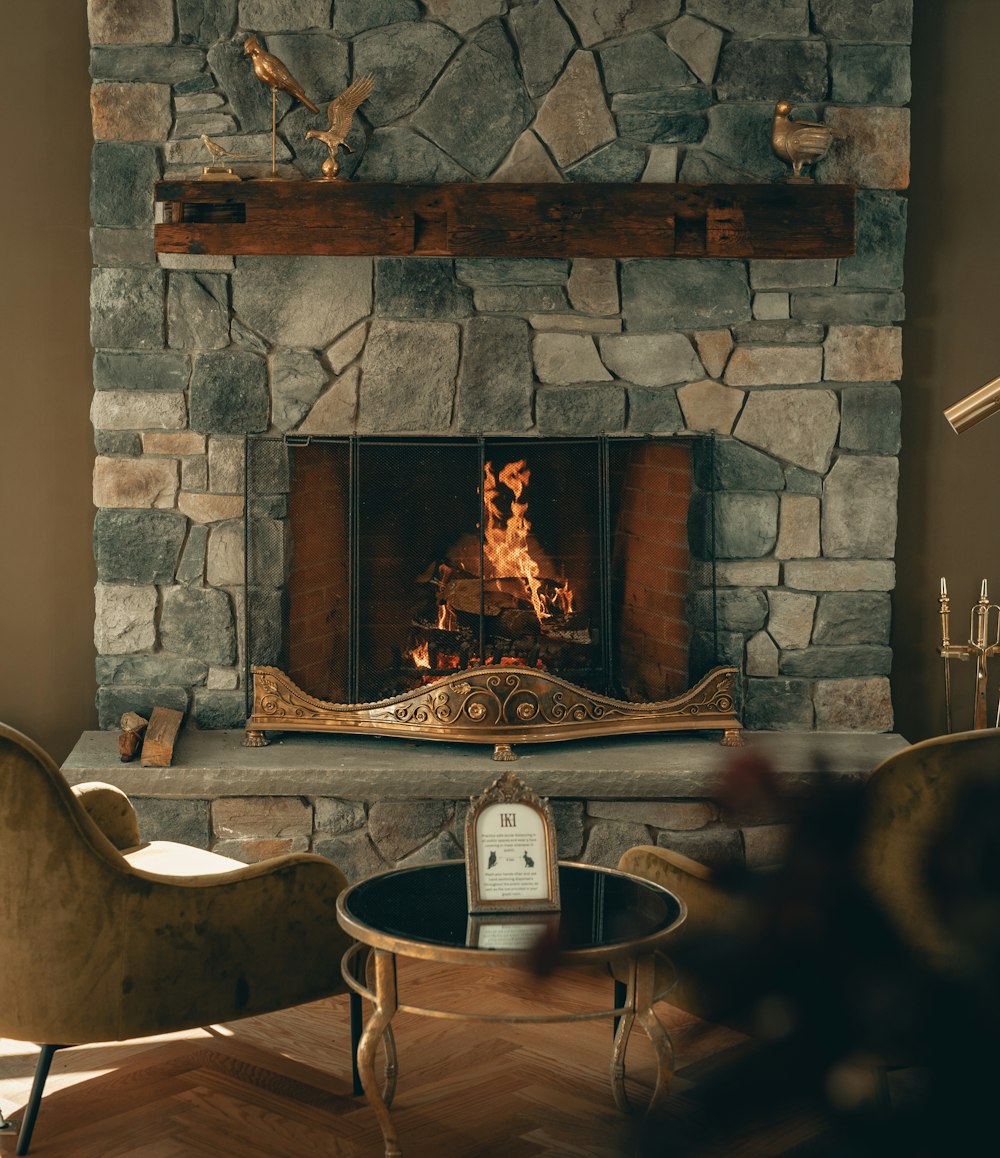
x=779, y=220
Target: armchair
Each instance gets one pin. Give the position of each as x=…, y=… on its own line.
x=105, y=938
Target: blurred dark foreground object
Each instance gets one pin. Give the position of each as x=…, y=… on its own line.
x=865, y=968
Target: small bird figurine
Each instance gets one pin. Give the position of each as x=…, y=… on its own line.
x=800, y=142
x=273, y=73
x=219, y=153
x=340, y=112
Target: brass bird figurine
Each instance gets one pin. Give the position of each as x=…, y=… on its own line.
x=341, y=112
x=800, y=142
x=218, y=152
x=273, y=73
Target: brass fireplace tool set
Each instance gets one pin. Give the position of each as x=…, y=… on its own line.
x=984, y=641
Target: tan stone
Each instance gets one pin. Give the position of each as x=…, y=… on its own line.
x=527, y=161
x=225, y=678
x=175, y=445
x=192, y=262
x=574, y=119
x=135, y=482
x=676, y=815
x=566, y=358
x=130, y=112
x=138, y=410
x=875, y=151
x=798, y=527
x=662, y=164
x=714, y=348
x=799, y=426
x=746, y=573
x=790, y=618
x=593, y=285
x=771, y=306
x=145, y=22
x=709, y=405
x=841, y=575
x=224, y=565
x=765, y=844
x=225, y=466
x=575, y=323
x=774, y=365
x=268, y=817
x=762, y=655
x=346, y=348
x=334, y=411
x=252, y=851
x=124, y=621
x=205, y=508
x=853, y=705
x=863, y=354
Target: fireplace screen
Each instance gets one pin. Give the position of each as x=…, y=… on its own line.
x=376, y=566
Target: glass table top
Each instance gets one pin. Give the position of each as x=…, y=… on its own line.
x=429, y=904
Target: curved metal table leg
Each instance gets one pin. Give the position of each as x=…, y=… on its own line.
x=383, y=965
x=640, y=991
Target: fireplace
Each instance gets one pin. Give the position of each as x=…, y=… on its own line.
x=381, y=568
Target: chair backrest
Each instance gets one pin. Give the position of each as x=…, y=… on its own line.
x=913, y=802
x=61, y=902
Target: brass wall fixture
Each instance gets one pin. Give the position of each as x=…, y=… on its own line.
x=974, y=407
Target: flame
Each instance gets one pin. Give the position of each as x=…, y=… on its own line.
x=421, y=655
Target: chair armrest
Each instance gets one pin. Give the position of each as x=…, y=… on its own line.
x=707, y=904
x=111, y=810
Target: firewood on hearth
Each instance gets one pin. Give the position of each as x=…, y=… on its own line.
x=161, y=736
x=132, y=727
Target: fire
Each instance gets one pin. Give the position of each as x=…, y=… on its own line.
x=421, y=655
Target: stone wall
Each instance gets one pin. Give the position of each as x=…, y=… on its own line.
x=793, y=363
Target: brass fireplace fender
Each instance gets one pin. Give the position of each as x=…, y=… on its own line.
x=494, y=705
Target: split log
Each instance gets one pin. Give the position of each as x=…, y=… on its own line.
x=132, y=727
x=161, y=736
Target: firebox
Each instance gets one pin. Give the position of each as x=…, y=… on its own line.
x=481, y=589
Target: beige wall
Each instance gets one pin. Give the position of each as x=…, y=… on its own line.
x=949, y=510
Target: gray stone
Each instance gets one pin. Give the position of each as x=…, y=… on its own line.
x=338, y=816
x=137, y=546
x=152, y=670
x=419, y=287
x=198, y=311
x=803, y=482
x=464, y=15
x=887, y=22
x=128, y=371
x=790, y=618
x=608, y=840
x=697, y=44
x=799, y=426
x=297, y=380
x=870, y=418
x=191, y=569
x=353, y=16
x=730, y=466
x=397, y=827
x=683, y=295
x=752, y=70
x=654, y=410
x=776, y=332
x=442, y=847
x=755, y=17
x=617, y=161
x=191, y=151
x=859, y=508
x=184, y=821
x=841, y=575
x=122, y=246
x=198, y=621
x=117, y=442
x=406, y=57
x=169, y=65
x=881, y=239
x=408, y=376
x=544, y=42
x=194, y=478
x=651, y=359
x=875, y=309
x=870, y=74
x=205, y=83
x=709, y=649
x=676, y=815
x=735, y=608
x=219, y=708
x=126, y=308
x=764, y=845
x=677, y=116
x=746, y=525
x=569, y=323
x=264, y=638
x=771, y=306
x=520, y=299
x=302, y=301
x=580, y=410
x=271, y=468
x=354, y=854
x=113, y=702
x=774, y=365
x=853, y=705
x=121, y=183
x=593, y=285
x=270, y=14
x=568, y=817
x=837, y=662
x=717, y=847
x=318, y=61
x=606, y=21
x=740, y=136
x=702, y=165
x=779, y=274
x=124, y=619
x=205, y=21
x=480, y=106
x=229, y=393
x=798, y=537
x=642, y=63
x=225, y=555
x=849, y=617
x=495, y=271
x=211, y=123
x=565, y=359
x=780, y=705
x=397, y=153
x=250, y=100
x=495, y=387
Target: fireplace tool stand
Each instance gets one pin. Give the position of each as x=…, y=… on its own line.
x=980, y=647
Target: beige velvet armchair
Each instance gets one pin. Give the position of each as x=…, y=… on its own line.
x=104, y=938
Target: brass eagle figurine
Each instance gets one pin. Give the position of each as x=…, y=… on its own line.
x=800, y=142
x=340, y=112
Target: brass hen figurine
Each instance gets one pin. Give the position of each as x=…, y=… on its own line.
x=341, y=112
x=273, y=73
x=800, y=142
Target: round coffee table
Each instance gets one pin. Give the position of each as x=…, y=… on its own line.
x=607, y=917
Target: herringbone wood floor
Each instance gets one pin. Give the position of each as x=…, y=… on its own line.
x=280, y=1085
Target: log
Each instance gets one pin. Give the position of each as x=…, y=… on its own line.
x=161, y=736
x=132, y=728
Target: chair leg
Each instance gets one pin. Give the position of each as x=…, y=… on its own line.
x=35, y=1098
x=356, y=1028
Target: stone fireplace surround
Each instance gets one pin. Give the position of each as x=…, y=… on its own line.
x=793, y=363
